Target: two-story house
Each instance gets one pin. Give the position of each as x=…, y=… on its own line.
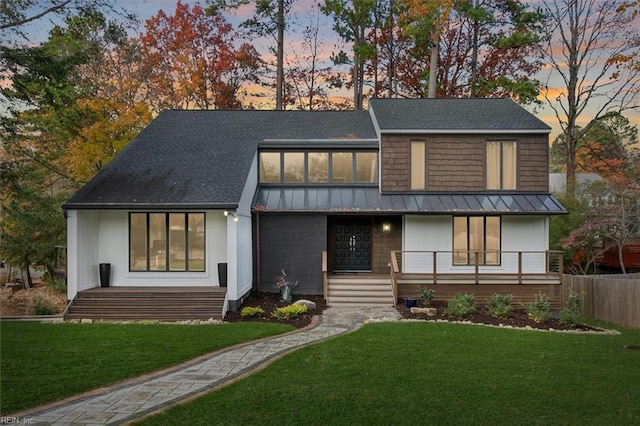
x=360, y=206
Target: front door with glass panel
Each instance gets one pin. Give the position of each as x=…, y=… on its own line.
x=351, y=244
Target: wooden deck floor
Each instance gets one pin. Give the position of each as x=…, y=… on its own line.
x=148, y=303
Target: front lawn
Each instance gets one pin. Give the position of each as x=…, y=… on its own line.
x=41, y=363
x=435, y=373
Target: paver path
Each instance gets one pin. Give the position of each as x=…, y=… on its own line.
x=138, y=397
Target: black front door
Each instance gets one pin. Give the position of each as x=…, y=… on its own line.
x=352, y=244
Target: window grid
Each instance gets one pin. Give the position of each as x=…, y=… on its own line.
x=167, y=242
x=479, y=236
x=319, y=167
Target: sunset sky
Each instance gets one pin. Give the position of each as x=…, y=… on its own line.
x=303, y=15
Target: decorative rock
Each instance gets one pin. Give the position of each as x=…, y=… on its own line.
x=431, y=312
x=86, y=321
x=308, y=303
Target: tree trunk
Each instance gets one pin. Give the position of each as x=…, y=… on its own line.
x=280, y=56
x=433, y=68
x=621, y=258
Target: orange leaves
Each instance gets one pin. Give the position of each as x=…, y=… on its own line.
x=191, y=61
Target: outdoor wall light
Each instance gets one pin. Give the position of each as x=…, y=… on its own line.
x=386, y=227
x=232, y=214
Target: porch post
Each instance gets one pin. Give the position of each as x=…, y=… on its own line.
x=477, y=259
x=519, y=267
x=434, y=268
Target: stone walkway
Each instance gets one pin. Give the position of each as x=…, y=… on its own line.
x=138, y=397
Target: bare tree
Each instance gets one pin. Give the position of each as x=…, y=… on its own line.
x=592, y=53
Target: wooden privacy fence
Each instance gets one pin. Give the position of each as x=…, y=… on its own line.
x=611, y=298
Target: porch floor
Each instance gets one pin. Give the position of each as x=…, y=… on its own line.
x=148, y=303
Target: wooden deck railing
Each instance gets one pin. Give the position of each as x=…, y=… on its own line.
x=438, y=264
x=325, y=276
x=394, y=279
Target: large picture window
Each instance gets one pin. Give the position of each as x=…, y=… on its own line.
x=501, y=164
x=166, y=242
x=476, y=237
x=319, y=167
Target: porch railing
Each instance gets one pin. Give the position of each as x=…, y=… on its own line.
x=325, y=276
x=476, y=263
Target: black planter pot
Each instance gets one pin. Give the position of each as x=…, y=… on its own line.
x=222, y=274
x=105, y=274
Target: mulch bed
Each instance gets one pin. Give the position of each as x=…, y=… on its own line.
x=517, y=318
x=271, y=301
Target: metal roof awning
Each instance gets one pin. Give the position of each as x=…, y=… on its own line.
x=369, y=200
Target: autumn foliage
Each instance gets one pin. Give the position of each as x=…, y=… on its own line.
x=190, y=61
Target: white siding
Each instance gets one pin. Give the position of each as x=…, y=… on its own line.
x=96, y=237
x=434, y=233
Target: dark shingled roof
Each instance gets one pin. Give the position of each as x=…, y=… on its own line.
x=478, y=115
x=201, y=159
x=369, y=200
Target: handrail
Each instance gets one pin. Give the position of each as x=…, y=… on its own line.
x=325, y=276
x=517, y=262
x=394, y=281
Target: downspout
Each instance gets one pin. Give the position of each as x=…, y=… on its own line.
x=258, y=251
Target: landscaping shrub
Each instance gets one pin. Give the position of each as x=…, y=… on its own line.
x=499, y=305
x=425, y=295
x=572, y=313
x=42, y=305
x=538, y=310
x=461, y=305
x=288, y=312
x=251, y=311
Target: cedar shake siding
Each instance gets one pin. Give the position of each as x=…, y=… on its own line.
x=457, y=162
x=534, y=163
x=385, y=242
x=394, y=155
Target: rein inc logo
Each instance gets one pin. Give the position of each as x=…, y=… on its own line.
x=7, y=420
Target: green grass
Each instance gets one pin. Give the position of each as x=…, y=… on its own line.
x=41, y=363
x=430, y=373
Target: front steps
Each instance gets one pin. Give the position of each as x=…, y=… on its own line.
x=148, y=303
x=361, y=289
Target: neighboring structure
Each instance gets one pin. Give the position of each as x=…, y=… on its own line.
x=558, y=181
x=461, y=183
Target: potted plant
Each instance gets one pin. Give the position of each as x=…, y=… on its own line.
x=285, y=287
x=410, y=302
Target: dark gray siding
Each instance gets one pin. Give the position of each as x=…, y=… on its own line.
x=294, y=243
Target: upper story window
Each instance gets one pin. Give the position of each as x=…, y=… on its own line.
x=318, y=167
x=418, y=165
x=501, y=165
x=166, y=241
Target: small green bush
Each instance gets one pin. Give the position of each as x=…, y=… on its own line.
x=572, y=313
x=288, y=312
x=251, y=311
x=42, y=305
x=539, y=309
x=460, y=305
x=499, y=305
x=425, y=295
